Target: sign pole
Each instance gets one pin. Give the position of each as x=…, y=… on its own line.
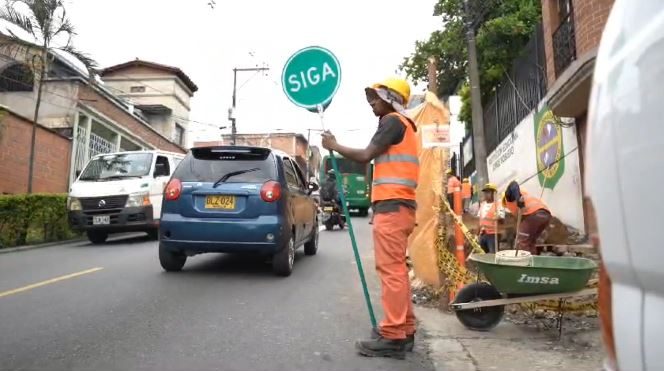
x=351, y=232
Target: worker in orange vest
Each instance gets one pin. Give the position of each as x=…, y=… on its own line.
x=535, y=215
x=453, y=185
x=394, y=149
x=490, y=213
x=466, y=193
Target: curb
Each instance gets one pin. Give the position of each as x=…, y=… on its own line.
x=40, y=246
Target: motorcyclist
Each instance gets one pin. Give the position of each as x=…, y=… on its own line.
x=329, y=191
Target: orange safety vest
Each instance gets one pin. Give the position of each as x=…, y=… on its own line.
x=488, y=222
x=453, y=184
x=397, y=170
x=533, y=205
x=466, y=190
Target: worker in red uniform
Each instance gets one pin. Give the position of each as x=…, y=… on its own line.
x=453, y=185
x=394, y=149
x=535, y=216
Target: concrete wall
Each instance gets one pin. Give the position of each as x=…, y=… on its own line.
x=516, y=159
x=52, y=153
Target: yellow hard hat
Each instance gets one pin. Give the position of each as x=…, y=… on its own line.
x=399, y=86
x=490, y=187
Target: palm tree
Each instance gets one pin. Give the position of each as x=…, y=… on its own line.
x=47, y=22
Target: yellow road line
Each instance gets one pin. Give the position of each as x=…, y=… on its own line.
x=48, y=282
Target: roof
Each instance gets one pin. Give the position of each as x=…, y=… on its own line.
x=162, y=67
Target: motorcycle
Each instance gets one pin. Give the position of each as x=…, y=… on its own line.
x=333, y=215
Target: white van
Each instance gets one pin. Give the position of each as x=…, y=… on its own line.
x=120, y=192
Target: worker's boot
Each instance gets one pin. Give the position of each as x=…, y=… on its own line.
x=382, y=347
x=409, y=343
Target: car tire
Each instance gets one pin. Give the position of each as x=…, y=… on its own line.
x=153, y=234
x=282, y=261
x=311, y=246
x=97, y=237
x=171, y=261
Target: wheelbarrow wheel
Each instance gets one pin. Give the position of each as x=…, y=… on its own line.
x=479, y=319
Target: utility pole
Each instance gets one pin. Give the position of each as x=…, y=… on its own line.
x=479, y=143
x=231, y=112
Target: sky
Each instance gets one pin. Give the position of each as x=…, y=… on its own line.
x=369, y=37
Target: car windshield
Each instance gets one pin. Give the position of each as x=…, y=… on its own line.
x=118, y=166
x=250, y=165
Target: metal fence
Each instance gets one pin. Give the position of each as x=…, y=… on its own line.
x=518, y=94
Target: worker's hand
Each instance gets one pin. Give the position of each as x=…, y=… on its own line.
x=329, y=141
x=521, y=203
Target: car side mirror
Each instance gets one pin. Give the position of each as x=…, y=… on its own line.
x=313, y=187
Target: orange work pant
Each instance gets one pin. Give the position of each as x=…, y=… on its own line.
x=390, y=233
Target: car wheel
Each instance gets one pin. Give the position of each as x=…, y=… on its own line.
x=311, y=247
x=97, y=237
x=171, y=261
x=282, y=262
x=153, y=234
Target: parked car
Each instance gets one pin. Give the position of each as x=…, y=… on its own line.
x=238, y=200
x=625, y=157
x=120, y=192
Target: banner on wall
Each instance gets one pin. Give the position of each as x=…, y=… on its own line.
x=549, y=148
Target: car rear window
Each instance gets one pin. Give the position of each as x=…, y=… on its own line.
x=210, y=164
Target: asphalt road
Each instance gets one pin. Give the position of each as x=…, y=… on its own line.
x=111, y=307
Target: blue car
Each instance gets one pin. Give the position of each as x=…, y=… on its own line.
x=230, y=199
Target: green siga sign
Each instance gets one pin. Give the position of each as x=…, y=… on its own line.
x=311, y=77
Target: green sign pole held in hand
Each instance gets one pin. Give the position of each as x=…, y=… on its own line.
x=310, y=79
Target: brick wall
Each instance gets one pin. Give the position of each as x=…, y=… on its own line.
x=52, y=157
x=100, y=103
x=590, y=17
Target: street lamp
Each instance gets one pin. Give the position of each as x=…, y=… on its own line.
x=231, y=111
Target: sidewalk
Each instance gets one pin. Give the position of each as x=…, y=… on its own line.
x=509, y=346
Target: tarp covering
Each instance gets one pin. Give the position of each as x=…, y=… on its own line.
x=433, y=163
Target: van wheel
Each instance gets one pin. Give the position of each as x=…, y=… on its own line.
x=282, y=262
x=171, y=261
x=97, y=237
x=311, y=247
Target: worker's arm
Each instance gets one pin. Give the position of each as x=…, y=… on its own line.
x=390, y=131
x=356, y=154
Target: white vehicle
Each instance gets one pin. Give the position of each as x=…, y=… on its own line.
x=120, y=192
x=625, y=172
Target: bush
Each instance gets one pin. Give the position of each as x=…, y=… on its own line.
x=33, y=218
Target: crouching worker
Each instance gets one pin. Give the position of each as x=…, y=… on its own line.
x=535, y=216
x=490, y=213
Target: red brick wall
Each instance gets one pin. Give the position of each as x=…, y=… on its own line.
x=52, y=157
x=95, y=100
x=590, y=17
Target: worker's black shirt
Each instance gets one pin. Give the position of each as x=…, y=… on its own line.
x=390, y=132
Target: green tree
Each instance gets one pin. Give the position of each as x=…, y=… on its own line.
x=503, y=29
x=46, y=21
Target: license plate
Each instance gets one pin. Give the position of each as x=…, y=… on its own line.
x=328, y=209
x=101, y=219
x=220, y=202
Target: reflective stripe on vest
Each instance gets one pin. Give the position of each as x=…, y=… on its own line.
x=488, y=222
x=396, y=172
x=396, y=158
x=397, y=181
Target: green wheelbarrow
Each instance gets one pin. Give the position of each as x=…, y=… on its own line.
x=480, y=306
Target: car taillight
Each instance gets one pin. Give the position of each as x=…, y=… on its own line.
x=271, y=191
x=173, y=190
x=604, y=290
